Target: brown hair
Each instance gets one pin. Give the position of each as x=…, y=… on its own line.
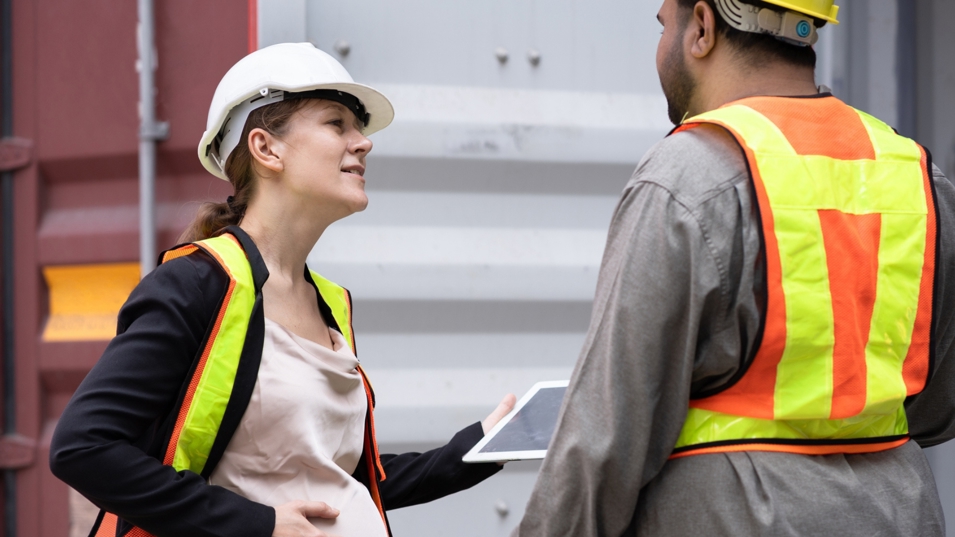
x=212, y=218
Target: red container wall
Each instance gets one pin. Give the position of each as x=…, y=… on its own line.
x=76, y=96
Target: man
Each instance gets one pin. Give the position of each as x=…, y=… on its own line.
x=771, y=340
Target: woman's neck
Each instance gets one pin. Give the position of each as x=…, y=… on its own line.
x=283, y=238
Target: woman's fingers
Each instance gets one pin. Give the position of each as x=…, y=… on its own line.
x=506, y=405
x=291, y=519
x=319, y=510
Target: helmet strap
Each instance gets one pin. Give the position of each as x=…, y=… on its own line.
x=347, y=100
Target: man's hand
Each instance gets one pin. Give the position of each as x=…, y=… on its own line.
x=507, y=405
x=291, y=519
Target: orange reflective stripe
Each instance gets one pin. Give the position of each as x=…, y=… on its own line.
x=827, y=119
x=368, y=391
x=915, y=369
x=371, y=422
x=754, y=394
x=376, y=495
x=375, y=468
x=852, y=257
x=197, y=375
x=182, y=251
x=107, y=526
x=829, y=449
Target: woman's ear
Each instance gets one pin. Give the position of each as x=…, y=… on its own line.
x=266, y=150
x=702, y=27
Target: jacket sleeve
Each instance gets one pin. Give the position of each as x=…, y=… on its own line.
x=931, y=413
x=107, y=441
x=416, y=478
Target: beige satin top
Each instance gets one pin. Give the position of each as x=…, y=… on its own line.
x=301, y=436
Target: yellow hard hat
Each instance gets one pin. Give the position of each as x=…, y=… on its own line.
x=792, y=21
x=819, y=9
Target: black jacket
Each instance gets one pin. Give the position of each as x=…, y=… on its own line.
x=109, y=441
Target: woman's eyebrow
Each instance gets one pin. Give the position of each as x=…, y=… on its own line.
x=344, y=109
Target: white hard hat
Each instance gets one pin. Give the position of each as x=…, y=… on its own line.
x=271, y=75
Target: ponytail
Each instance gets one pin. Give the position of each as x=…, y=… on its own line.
x=212, y=218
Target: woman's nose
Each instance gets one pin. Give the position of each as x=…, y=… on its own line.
x=361, y=144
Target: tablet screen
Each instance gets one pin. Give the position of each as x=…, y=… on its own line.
x=532, y=427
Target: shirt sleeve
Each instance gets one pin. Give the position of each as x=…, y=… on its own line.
x=931, y=413
x=660, y=287
x=106, y=443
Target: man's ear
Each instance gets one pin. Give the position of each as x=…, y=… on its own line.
x=701, y=28
x=266, y=150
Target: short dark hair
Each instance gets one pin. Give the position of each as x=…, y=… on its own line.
x=753, y=45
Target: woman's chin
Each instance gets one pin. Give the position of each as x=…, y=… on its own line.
x=360, y=203
x=352, y=206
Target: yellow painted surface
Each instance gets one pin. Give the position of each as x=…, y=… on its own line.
x=85, y=299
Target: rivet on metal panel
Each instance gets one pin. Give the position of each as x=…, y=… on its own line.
x=15, y=153
x=534, y=56
x=501, y=508
x=501, y=54
x=342, y=47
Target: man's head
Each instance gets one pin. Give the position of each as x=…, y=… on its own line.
x=698, y=45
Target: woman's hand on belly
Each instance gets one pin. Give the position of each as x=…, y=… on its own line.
x=291, y=519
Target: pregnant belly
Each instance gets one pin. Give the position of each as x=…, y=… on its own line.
x=359, y=517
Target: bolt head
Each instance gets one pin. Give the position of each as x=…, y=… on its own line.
x=501, y=54
x=502, y=509
x=342, y=47
x=534, y=57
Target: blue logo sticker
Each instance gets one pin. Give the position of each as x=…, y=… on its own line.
x=803, y=29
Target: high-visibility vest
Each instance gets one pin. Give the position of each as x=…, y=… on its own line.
x=849, y=235
x=202, y=410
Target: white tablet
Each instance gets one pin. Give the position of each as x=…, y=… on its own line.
x=525, y=432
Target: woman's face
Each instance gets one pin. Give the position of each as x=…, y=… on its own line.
x=325, y=158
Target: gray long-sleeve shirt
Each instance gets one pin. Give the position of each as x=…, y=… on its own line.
x=676, y=312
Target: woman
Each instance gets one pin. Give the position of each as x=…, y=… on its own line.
x=231, y=402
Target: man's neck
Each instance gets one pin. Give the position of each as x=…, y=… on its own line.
x=776, y=79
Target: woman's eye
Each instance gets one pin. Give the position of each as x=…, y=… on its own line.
x=340, y=123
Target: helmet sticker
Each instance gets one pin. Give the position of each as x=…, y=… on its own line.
x=803, y=29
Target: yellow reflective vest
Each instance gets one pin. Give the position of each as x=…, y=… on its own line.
x=210, y=388
x=848, y=217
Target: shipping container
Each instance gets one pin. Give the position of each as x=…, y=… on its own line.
x=517, y=125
